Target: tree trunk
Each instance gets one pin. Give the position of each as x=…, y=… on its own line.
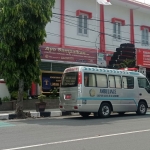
x=19, y=105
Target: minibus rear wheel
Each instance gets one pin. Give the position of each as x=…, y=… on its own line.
x=84, y=114
x=142, y=108
x=104, y=110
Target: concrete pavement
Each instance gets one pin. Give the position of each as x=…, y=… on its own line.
x=6, y=115
x=128, y=132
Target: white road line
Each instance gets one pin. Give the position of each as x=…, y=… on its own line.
x=81, y=139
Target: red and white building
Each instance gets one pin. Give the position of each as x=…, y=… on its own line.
x=81, y=28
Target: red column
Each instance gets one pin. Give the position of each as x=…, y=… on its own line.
x=33, y=89
x=62, y=24
x=132, y=27
x=102, y=29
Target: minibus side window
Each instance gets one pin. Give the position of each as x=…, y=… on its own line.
x=143, y=83
x=89, y=80
x=111, y=80
x=101, y=80
x=114, y=81
x=118, y=82
x=128, y=82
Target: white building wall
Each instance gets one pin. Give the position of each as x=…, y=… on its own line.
x=71, y=33
x=53, y=28
x=115, y=11
x=140, y=18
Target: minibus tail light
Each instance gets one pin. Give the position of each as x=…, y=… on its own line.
x=60, y=106
x=79, y=77
x=75, y=107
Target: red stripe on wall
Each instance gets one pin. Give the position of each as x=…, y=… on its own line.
x=79, y=48
x=51, y=45
x=67, y=47
x=102, y=29
x=132, y=27
x=2, y=82
x=62, y=24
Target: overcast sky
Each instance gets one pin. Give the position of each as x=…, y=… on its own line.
x=144, y=1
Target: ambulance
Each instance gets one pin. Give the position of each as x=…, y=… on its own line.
x=102, y=91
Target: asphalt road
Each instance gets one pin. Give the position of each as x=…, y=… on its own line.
x=130, y=132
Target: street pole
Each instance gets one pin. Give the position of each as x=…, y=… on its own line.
x=96, y=31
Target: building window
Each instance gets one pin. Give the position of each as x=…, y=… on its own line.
x=117, y=23
x=82, y=24
x=145, y=36
x=117, y=30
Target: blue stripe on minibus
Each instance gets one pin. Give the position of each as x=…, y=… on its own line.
x=105, y=98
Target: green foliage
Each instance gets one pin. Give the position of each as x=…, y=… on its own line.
x=41, y=97
x=22, y=31
x=14, y=95
x=54, y=93
x=5, y=99
x=128, y=63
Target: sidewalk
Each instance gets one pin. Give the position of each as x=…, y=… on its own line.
x=5, y=115
x=12, y=111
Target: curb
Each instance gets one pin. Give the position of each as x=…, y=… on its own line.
x=38, y=114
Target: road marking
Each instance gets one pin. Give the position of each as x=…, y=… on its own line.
x=81, y=139
x=5, y=124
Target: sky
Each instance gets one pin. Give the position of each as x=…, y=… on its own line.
x=144, y=1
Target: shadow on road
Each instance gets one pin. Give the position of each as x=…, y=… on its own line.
x=80, y=121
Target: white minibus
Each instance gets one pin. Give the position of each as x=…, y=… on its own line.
x=101, y=91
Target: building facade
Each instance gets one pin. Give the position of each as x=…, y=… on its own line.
x=81, y=29
x=89, y=27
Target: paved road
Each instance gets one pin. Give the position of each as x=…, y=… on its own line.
x=130, y=132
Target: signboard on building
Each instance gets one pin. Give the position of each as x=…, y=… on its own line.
x=50, y=81
x=143, y=58
x=101, y=60
x=69, y=55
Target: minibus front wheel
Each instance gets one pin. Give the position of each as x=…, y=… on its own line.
x=142, y=108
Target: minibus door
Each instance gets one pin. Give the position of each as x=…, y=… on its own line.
x=144, y=90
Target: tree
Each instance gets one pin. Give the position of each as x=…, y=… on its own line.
x=22, y=31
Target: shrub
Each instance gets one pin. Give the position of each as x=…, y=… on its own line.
x=14, y=95
x=5, y=99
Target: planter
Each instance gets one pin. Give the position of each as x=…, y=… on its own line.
x=40, y=106
x=30, y=104
x=6, y=106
